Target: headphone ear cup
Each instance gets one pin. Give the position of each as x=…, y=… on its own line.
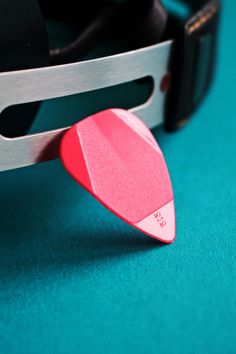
x=23, y=45
x=145, y=22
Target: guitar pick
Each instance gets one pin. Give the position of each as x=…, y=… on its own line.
x=115, y=157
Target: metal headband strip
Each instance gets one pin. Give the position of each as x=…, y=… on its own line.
x=50, y=82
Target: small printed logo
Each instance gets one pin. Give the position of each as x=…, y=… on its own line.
x=159, y=218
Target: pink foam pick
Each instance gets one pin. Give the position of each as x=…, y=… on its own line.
x=116, y=158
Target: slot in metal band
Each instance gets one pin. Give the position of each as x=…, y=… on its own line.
x=50, y=82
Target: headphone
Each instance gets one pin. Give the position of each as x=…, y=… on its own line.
x=24, y=44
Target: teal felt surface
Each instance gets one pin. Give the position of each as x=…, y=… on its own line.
x=75, y=279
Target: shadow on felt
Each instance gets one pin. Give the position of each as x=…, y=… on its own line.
x=35, y=237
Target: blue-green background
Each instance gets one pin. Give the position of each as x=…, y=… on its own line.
x=75, y=279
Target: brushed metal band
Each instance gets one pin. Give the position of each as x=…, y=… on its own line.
x=51, y=82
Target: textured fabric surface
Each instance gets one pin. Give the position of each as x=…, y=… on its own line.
x=75, y=279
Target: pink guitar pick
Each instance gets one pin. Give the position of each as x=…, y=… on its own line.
x=115, y=157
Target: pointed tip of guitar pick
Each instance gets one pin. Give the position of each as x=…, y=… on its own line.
x=160, y=224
